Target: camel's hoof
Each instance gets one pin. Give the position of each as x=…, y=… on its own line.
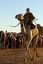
x=37, y=56
x=27, y=57
x=24, y=60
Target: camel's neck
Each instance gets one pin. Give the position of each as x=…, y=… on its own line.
x=24, y=29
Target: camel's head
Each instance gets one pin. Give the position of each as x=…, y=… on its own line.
x=19, y=17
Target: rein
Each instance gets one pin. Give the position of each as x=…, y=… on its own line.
x=15, y=25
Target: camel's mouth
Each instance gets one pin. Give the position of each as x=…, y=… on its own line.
x=19, y=17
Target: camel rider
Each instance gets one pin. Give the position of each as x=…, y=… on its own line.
x=28, y=18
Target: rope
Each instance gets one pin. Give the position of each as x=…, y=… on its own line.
x=15, y=25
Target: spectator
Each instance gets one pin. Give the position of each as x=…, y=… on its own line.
x=14, y=41
x=9, y=40
x=17, y=41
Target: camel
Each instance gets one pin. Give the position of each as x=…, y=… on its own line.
x=29, y=35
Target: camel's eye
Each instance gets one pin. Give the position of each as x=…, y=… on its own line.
x=17, y=17
x=22, y=25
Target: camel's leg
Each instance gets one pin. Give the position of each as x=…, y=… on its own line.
x=27, y=51
x=28, y=39
x=35, y=47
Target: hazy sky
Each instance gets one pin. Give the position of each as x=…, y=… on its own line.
x=9, y=8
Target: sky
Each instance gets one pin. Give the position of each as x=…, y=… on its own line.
x=10, y=8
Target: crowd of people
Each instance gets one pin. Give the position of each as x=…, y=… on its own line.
x=11, y=40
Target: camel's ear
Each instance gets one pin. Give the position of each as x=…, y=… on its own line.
x=16, y=16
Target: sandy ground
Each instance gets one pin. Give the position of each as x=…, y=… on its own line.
x=16, y=56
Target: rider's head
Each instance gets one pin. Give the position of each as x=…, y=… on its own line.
x=27, y=10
